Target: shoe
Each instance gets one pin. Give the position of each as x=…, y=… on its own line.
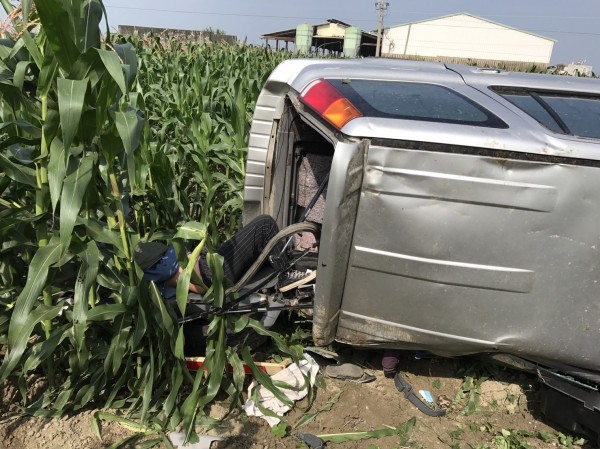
x=295, y=278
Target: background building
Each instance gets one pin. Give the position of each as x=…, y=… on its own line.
x=334, y=36
x=575, y=69
x=467, y=39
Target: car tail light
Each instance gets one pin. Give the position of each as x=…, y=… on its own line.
x=328, y=102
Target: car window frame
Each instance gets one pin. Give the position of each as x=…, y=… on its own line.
x=493, y=120
x=536, y=94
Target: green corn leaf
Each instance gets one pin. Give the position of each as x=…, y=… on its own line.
x=189, y=409
x=20, y=71
x=92, y=12
x=185, y=277
x=191, y=231
x=216, y=361
x=118, y=345
x=71, y=98
x=125, y=442
x=357, y=436
x=176, y=382
x=32, y=48
x=263, y=378
x=56, y=23
x=18, y=173
x=42, y=351
x=96, y=424
x=8, y=7
x=49, y=68
x=166, y=320
x=57, y=170
x=106, y=312
x=128, y=55
x=24, y=126
x=26, y=7
x=310, y=417
x=113, y=65
x=101, y=234
x=74, y=189
x=130, y=127
x=148, y=387
x=149, y=443
x=19, y=342
x=85, y=280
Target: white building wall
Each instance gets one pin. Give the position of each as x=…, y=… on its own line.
x=465, y=36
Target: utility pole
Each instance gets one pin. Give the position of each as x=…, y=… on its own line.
x=382, y=6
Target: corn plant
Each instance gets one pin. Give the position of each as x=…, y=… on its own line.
x=199, y=101
x=98, y=150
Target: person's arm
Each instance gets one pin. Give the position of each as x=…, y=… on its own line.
x=194, y=288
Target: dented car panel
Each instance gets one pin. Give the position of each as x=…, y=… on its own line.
x=482, y=253
x=343, y=194
x=447, y=237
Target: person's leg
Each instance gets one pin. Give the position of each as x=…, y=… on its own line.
x=241, y=250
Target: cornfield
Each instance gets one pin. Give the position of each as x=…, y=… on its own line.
x=103, y=143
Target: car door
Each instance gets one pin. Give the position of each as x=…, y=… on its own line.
x=467, y=248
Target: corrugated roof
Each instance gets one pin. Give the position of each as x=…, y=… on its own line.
x=292, y=32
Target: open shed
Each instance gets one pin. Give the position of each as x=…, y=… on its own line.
x=326, y=38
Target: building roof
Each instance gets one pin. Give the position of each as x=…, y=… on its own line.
x=474, y=17
x=290, y=35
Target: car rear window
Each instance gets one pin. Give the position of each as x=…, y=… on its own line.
x=564, y=113
x=415, y=101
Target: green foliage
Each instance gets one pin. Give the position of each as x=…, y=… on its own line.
x=310, y=417
x=569, y=441
x=103, y=144
x=403, y=431
x=199, y=102
x=471, y=390
x=512, y=439
x=280, y=430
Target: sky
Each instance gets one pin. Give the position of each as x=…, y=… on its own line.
x=572, y=23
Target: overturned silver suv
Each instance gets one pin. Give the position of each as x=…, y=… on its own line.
x=460, y=214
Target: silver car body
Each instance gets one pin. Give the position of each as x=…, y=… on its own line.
x=447, y=237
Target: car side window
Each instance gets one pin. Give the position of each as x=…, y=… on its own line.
x=581, y=115
x=415, y=101
x=529, y=105
x=564, y=113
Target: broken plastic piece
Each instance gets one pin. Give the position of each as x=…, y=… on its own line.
x=426, y=394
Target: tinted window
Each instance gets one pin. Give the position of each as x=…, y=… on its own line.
x=528, y=104
x=564, y=113
x=581, y=115
x=415, y=101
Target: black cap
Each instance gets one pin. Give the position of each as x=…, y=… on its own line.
x=148, y=253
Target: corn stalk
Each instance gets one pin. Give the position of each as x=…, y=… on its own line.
x=104, y=143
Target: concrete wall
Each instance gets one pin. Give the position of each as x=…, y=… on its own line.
x=466, y=37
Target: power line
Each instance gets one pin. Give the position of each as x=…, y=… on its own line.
x=180, y=11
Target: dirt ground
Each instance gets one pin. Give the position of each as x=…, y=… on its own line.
x=506, y=417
